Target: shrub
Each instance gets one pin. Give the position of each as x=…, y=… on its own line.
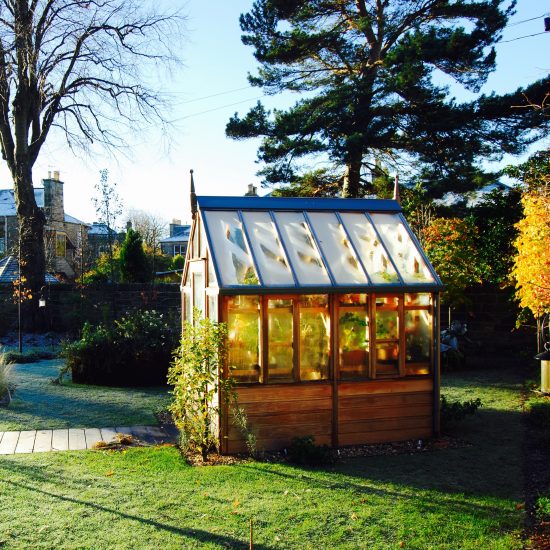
x=303, y=451
x=455, y=411
x=29, y=356
x=196, y=377
x=6, y=385
x=135, y=351
x=543, y=507
x=240, y=419
x=133, y=261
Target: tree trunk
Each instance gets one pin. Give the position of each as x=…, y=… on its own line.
x=352, y=178
x=31, y=231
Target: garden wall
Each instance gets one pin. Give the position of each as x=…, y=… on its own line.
x=491, y=315
x=68, y=307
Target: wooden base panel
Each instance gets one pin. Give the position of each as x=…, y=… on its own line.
x=367, y=411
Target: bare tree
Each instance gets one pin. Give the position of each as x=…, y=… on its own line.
x=84, y=67
x=108, y=208
x=149, y=226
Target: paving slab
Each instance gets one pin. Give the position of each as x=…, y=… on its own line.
x=60, y=440
x=93, y=436
x=43, y=441
x=25, y=443
x=77, y=439
x=9, y=442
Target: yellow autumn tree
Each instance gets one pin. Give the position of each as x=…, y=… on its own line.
x=532, y=262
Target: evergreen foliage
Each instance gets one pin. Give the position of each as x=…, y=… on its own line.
x=134, y=267
x=365, y=71
x=495, y=217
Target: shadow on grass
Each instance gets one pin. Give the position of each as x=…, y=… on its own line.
x=38, y=478
x=488, y=466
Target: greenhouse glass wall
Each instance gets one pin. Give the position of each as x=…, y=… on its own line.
x=332, y=311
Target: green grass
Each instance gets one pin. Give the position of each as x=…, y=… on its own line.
x=39, y=404
x=452, y=499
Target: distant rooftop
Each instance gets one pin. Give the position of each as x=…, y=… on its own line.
x=7, y=204
x=9, y=271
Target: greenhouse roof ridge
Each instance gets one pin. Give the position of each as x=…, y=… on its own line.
x=298, y=203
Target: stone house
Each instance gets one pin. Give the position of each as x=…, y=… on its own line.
x=176, y=243
x=65, y=237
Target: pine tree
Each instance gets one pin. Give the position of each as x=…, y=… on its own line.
x=133, y=261
x=366, y=70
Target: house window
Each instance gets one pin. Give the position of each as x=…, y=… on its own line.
x=179, y=249
x=60, y=245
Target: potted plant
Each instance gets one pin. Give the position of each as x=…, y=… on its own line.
x=5, y=381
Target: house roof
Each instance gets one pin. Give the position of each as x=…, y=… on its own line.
x=325, y=244
x=9, y=271
x=72, y=219
x=176, y=239
x=100, y=229
x=7, y=201
x=7, y=204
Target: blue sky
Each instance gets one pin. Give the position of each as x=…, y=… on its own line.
x=210, y=87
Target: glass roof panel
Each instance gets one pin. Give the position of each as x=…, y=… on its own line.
x=268, y=252
x=337, y=249
x=303, y=254
x=370, y=249
x=231, y=253
x=405, y=254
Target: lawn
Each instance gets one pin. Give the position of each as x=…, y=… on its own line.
x=39, y=404
x=149, y=498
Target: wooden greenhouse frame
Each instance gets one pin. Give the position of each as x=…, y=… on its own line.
x=332, y=311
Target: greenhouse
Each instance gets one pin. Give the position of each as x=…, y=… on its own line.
x=332, y=311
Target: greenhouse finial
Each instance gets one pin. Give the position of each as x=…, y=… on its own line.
x=396, y=195
x=193, y=195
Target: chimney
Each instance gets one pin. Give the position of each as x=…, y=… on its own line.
x=53, y=198
x=252, y=191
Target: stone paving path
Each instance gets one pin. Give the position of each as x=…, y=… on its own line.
x=77, y=439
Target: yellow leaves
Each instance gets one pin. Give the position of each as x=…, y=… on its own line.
x=109, y=473
x=532, y=262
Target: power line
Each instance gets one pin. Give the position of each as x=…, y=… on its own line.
x=521, y=37
x=526, y=20
x=213, y=95
x=217, y=108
